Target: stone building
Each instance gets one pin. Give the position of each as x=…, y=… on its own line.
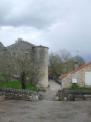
x=80, y=76
x=38, y=54
x=40, y=58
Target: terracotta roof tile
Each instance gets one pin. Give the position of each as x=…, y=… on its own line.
x=74, y=71
x=63, y=76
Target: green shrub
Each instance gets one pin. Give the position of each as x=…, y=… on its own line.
x=77, y=87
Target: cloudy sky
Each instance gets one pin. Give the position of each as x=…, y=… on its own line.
x=58, y=24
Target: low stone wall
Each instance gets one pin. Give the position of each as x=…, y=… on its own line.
x=72, y=95
x=10, y=93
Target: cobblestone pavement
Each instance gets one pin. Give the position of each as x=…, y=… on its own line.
x=45, y=111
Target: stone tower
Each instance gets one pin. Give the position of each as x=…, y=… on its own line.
x=37, y=54
x=41, y=60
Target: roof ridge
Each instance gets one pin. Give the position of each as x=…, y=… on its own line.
x=17, y=42
x=81, y=67
x=78, y=69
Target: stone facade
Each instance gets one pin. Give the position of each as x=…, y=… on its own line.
x=37, y=54
x=41, y=60
x=78, y=74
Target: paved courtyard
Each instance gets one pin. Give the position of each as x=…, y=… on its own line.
x=45, y=111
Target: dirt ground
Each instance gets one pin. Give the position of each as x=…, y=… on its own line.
x=45, y=111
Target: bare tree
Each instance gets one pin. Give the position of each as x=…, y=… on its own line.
x=25, y=70
x=63, y=63
x=68, y=66
x=55, y=66
x=79, y=60
x=65, y=55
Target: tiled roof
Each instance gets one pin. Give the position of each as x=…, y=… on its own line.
x=74, y=71
x=63, y=76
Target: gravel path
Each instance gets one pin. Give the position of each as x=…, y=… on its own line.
x=50, y=94
x=54, y=86
x=45, y=111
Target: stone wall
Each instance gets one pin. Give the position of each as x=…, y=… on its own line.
x=79, y=75
x=17, y=94
x=73, y=95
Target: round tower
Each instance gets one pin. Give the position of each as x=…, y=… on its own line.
x=41, y=62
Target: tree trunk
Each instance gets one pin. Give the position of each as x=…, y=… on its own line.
x=23, y=80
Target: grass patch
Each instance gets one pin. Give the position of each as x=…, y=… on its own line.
x=77, y=87
x=17, y=85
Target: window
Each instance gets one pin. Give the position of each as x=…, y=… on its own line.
x=87, y=78
x=74, y=81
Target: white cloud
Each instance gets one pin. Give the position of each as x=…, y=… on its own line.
x=58, y=24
